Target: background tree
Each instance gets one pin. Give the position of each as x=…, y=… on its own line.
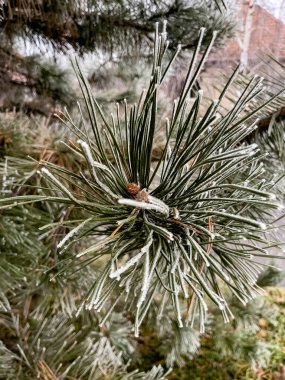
x=103, y=202
x=117, y=28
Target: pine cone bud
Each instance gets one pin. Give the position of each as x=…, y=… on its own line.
x=133, y=188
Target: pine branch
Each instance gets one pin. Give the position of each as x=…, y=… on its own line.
x=172, y=231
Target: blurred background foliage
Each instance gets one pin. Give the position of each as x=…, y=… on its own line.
x=113, y=32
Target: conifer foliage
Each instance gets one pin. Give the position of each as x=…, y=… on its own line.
x=179, y=230
x=113, y=26
x=114, y=30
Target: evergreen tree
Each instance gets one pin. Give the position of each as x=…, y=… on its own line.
x=117, y=28
x=101, y=241
x=114, y=25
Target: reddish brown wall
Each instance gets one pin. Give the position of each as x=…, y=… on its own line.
x=267, y=35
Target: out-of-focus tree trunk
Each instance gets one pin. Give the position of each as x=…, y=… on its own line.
x=279, y=41
x=247, y=34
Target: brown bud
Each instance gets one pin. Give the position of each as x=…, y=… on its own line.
x=262, y=333
x=263, y=322
x=133, y=188
x=142, y=196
